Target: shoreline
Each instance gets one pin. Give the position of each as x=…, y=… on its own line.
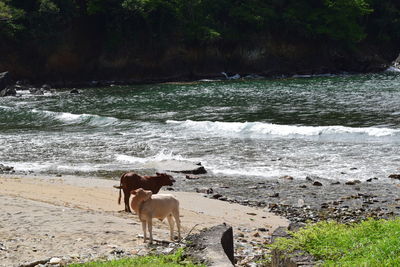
x=78, y=219
x=212, y=77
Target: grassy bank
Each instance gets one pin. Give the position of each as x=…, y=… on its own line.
x=176, y=259
x=369, y=243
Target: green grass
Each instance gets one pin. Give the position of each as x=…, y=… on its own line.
x=171, y=260
x=369, y=243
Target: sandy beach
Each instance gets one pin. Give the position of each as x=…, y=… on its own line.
x=78, y=219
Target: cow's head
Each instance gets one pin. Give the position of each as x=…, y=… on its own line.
x=165, y=179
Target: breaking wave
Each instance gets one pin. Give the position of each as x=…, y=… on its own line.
x=260, y=129
x=70, y=118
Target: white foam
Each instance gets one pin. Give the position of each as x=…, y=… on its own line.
x=91, y=119
x=162, y=155
x=314, y=75
x=260, y=172
x=392, y=69
x=5, y=107
x=130, y=159
x=260, y=129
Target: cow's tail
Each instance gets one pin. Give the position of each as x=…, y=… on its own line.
x=120, y=187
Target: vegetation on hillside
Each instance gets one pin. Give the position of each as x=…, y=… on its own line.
x=65, y=40
x=202, y=21
x=369, y=243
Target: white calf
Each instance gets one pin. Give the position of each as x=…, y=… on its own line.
x=149, y=206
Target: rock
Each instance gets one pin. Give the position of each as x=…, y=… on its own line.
x=36, y=91
x=46, y=87
x=55, y=260
x=5, y=80
x=217, y=196
x=395, y=176
x=324, y=205
x=335, y=183
x=303, y=186
x=353, y=182
x=9, y=91
x=191, y=177
x=6, y=169
x=167, y=250
x=308, y=178
x=287, y=177
x=181, y=166
x=35, y=263
x=213, y=246
x=317, y=183
x=74, y=91
x=6, y=88
x=280, y=232
x=275, y=195
x=204, y=190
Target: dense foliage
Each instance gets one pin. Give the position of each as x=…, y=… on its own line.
x=369, y=243
x=195, y=22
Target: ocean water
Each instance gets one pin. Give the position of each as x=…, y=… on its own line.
x=335, y=127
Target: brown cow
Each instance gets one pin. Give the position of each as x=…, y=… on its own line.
x=131, y=181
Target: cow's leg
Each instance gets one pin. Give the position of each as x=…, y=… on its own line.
x=144, y=231
x=126, y=201
x=171, y=226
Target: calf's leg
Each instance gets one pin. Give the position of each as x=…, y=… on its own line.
x=150, y=227
x=178, y=222
x=144, y=231
x=171, y=226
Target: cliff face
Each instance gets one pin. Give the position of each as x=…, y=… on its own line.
x=83, y=57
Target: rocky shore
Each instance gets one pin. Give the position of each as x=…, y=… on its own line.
x=313, y=199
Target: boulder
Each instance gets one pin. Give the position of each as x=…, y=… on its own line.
x=5, y=80
x=8, y=91
x=6, y=88
x=6, y=169
x=213, y=246
x=176, y=166
x=395, y=176
x=317, y=183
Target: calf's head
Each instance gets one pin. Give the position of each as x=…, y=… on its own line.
x=165, y=179
x=141, y=195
